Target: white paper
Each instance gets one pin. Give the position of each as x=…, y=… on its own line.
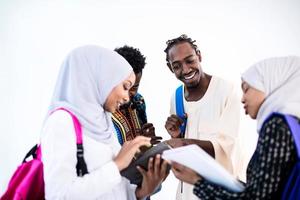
x=197, y=159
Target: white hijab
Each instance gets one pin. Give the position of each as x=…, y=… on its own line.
x=86, y=78
x=279, y=79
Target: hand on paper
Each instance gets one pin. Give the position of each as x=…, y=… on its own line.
x=156, y=174
x=129, y=149
x=185, y=174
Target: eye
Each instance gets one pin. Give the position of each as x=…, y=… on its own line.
x=176, y=66
x=245, y=89
x=126, y=86
x=190, y=61
x=134, y=87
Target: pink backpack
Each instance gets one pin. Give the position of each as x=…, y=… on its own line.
x=28, y=180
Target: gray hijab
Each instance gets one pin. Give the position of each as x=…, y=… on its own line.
x=279, y=79
x=86, y=78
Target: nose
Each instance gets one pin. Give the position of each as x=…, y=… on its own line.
x=185, y=68
x=126, y=97
x=243, y=99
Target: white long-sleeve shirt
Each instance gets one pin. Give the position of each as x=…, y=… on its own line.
x=59, y=158
x=215, y=117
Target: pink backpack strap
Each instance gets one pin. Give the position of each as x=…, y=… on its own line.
x=76, y=123
x=77, y=126
x=81, y=167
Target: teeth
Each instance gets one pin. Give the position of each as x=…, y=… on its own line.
x=190, y=77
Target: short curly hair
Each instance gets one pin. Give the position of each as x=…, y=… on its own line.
x=180, y=39
x=133, y=56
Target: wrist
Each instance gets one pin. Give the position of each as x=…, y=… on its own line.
x=196, y=179
x=139, y=193
x=119, y=165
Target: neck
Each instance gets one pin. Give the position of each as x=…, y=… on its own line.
x=197, y=92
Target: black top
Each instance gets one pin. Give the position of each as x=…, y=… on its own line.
x=269, y=167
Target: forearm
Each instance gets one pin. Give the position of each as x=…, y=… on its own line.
x=204, y=144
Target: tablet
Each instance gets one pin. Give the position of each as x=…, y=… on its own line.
x=131, y=172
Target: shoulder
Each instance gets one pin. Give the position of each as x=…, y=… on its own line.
x=226, y=90
x=59, y=117
x=223, y=85
x=275, y=124
x=59, y=124
x=138, y=98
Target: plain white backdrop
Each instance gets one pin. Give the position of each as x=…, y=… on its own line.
x=35, y=36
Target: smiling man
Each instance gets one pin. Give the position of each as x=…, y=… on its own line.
x=210, y=105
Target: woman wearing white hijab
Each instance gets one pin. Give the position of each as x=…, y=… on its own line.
x=269, y=86
x=92, y=83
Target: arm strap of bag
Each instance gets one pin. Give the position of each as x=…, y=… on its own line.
x=81, y=167
x=180, y=109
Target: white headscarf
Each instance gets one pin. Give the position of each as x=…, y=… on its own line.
x=86, y=78
x=279, y=79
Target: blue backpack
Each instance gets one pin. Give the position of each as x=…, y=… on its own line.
x=292, y=186
x=180, y=109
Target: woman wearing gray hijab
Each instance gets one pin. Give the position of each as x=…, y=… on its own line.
x=93, y=82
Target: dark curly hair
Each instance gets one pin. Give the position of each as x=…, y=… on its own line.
x=180, y=39
x=133, y=56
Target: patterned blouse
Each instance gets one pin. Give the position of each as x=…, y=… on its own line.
x=130, y=118
x=269, y=167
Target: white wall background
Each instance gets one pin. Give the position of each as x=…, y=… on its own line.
x=35, y=36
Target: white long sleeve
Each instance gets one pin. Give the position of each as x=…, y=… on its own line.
x=59, y=158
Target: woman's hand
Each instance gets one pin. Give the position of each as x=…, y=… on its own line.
x=185, y=174
x=129, y=149
x=156, y=174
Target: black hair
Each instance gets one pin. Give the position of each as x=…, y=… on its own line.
x=133, y=56
x=180, y=39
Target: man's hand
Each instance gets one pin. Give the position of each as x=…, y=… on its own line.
x=148, y=130
x=173, y=124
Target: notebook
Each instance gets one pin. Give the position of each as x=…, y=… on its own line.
x=197, y=159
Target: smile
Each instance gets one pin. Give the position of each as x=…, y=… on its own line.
x=190, y=76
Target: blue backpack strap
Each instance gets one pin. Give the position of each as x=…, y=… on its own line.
x=291, y=188
x=180, y=109
x=295, y=128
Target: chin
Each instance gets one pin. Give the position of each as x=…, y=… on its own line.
x=110, y=109
x=253, y=116
x=191, y=85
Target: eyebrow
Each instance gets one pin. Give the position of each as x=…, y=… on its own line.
x=188, y=57
x=183, y=58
